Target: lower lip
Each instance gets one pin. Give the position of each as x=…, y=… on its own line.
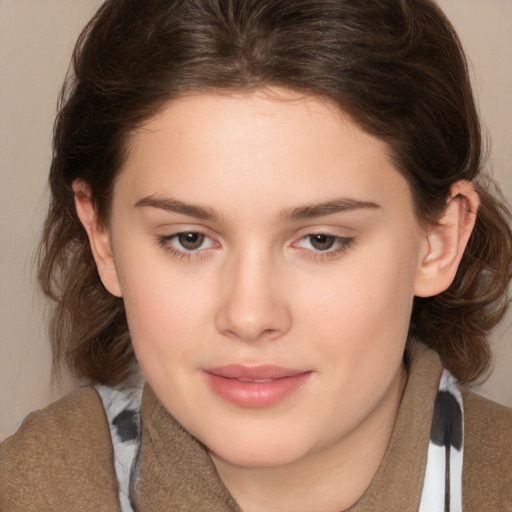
x=255, y=394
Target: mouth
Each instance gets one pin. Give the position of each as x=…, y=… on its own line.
x=256, y=386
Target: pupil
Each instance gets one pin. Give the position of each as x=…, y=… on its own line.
x=322, y=242
x=191, y=240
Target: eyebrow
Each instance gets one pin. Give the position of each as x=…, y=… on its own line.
x=327, y=208
x=296, y=213
x=173, y=205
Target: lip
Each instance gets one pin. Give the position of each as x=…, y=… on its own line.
x=254, y=386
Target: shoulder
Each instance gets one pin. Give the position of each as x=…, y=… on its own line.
x=60, y=455
x=487, y=470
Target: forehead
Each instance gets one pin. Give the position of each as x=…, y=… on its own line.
x=277, y=146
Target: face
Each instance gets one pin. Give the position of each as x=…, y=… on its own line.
x=267, y=252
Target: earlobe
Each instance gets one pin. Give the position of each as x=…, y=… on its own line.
x=446, y=241
x=99, y=237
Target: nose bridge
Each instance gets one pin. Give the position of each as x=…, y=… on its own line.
x=253, y=304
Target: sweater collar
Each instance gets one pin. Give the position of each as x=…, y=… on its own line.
x=176, y=472
x=398, y=483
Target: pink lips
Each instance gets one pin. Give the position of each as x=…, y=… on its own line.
x=254, y=386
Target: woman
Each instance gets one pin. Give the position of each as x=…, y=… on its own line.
x=274, y=209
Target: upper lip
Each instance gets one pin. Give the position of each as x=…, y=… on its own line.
x=254, y=373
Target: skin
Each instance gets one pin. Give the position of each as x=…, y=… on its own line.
x=259, y=290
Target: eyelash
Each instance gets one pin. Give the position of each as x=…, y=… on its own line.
x=342, y=244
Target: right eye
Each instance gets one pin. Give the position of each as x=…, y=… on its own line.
x=185, y=243
x=190, y=241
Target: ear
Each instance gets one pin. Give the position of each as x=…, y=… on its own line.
x=99, y=237
x=446, y=241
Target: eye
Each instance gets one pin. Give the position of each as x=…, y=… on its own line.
x=186, y=243
x=324, y=244
x=190, y=241
x=321, y=242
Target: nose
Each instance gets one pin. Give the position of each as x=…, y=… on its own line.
x=253, y=303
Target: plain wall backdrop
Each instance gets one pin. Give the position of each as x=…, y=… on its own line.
x=36, y=40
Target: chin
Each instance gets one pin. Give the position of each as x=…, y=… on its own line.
x=255, y=459
x=262, y=453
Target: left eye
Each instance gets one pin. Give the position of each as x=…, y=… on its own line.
x=323, y=242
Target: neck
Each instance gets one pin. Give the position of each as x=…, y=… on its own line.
x=329, y=480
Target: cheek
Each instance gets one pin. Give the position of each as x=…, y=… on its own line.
x=364, y=306
x=165, y=309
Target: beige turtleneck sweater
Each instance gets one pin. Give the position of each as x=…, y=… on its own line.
x=60, y=459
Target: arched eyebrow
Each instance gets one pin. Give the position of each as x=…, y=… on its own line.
x=296, y=213
x=173, y=205
x=327, y=208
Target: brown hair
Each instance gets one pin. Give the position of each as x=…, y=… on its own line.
x=395, y=66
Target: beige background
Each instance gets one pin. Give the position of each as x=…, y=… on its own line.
x=36, y=39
